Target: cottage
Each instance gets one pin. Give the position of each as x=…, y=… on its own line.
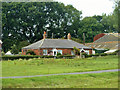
x=54, y=46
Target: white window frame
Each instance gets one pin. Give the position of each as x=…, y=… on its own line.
x=46, y=51
x=72, y=52
x=60, y=51
x=87, y=52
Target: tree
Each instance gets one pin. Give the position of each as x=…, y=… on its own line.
x=91, y=27
x=14, y=49
x=27, y=21
x=22, y=44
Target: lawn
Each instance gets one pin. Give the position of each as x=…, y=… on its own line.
x=51, y=66
x=98, y=80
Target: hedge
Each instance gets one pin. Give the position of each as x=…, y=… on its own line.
x=7, y=57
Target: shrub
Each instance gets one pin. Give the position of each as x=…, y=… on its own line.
x=30, y=52
x=58, y=54
x=103, y=54
x=66, y=56
x=90, y=55
x=2, y=53
x=97, y=54
x=85, y=55
x=8, y=57
x=114, y=53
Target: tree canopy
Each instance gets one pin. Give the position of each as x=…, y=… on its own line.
x=26, y=22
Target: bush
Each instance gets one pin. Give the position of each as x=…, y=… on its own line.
x=8, y=57
x=30, y=52
x=58, y=54
x=103, y=54
x=90, y=55
x=97, y=54
x=65, y=56
x=2, y=53
x=86, y=55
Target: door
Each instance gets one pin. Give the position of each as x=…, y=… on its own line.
x=55, y=53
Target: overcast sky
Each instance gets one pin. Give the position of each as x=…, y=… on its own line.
x=91, y=7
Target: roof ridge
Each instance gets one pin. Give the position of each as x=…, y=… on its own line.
x=42, y=43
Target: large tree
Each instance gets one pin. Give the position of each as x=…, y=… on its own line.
x=90, y=26
x=27, y=21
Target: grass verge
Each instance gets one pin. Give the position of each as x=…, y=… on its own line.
x=98, y=80
x=52, y=66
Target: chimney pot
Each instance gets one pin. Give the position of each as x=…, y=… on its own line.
x=68, y=36
x=44, y=35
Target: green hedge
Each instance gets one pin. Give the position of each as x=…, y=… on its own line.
x=7, y=57
x=65, y=56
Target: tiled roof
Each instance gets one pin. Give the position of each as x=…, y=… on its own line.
x=104, y=45
x=55, y=43
x=108, y=37
x=115, y=34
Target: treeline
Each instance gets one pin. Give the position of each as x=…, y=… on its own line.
x=24, y=23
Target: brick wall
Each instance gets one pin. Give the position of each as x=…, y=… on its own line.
x=40, y=51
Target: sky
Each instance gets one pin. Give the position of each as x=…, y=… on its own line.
x=91, y=7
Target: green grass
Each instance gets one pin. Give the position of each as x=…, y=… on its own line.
x=50, y=66
x=99, y=80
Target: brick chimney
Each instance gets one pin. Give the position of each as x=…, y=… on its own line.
x=68, y=36
x=44, y=35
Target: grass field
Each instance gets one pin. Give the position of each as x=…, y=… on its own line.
x=100, y=80
x=51, y=66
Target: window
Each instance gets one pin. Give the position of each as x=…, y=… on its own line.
x=45, y=52
x=72, y=52
x=60, y=51
x=87, y=52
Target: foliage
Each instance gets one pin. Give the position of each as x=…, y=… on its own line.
x=7, y=57
x=114, y=53
x=30, y=52
x=58, y=54
x=14, y=49
x=27, y=21
x=77, y=40
x=22, y=44
x=2, y=53
x=66, y=56
x=76, y=51
x=91, y=27
x=103, y=54
x=85, y=54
